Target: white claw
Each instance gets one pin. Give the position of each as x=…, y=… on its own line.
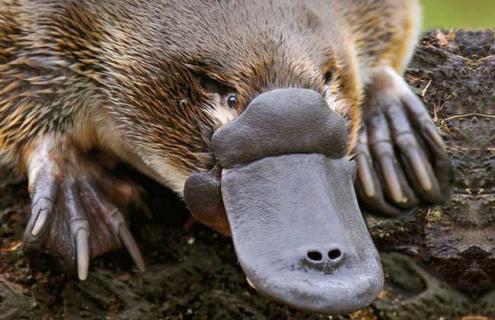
x=392, y=180
x=420, y=171
x=250, y=283
x=365, y=176
x=82, y=251
x=129, y=242
x=40, y=222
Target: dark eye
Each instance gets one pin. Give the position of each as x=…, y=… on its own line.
x=328, y=77
x=232, y=100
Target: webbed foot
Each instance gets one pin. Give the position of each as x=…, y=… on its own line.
x=401, y=158
x=77, y=206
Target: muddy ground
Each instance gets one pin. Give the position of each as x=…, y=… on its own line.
x=439, y=262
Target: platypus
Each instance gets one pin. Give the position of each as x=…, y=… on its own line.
x=259, y=113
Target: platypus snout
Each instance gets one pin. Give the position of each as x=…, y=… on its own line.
x=287, y=190
x=298, y=232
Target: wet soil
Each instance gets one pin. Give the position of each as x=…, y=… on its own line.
x=439, y=262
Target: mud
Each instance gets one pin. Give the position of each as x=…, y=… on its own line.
x=439, y=262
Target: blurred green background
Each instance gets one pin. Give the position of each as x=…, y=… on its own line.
x=474, y=14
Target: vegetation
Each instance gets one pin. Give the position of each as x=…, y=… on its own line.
x=472, y=14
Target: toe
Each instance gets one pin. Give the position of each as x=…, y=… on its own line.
x=79, y=227
x=433, y=174
x=369, y=187
x=44, y=194
x=131, y=246
x=422, y=121
x=364, y=170
x=382, y=150
x=112, y=217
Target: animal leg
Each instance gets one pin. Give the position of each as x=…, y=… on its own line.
x=77, y=205
x=401, y=158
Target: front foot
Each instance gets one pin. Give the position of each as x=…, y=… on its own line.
x=76, y=206
x=401, y=159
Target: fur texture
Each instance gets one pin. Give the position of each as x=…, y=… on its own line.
x=148, y=80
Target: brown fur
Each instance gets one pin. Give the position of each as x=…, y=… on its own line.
x=150, y=70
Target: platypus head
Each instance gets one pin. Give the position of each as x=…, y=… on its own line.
x=286, y=187
x=230, y=104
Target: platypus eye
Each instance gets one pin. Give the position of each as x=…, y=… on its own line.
x=232, y=100
x=328, y=76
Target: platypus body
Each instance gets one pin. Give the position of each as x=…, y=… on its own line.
x=250, y=110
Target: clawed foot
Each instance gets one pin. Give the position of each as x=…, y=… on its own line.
x=401, y=158
x=77, y=206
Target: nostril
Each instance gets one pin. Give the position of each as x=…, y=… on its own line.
x=314, y=256
x=334, y=254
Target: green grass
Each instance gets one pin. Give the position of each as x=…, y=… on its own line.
x=471, y=14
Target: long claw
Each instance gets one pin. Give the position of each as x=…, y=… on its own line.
x=40, y=222
x=79, y=226
x=392, y=180
x=419, y=169
x=364, y=175
x=129, y=242
x=113, y=217
x=82, y=251
x=44, y=193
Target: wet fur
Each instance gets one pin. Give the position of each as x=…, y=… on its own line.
x=131, y=77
